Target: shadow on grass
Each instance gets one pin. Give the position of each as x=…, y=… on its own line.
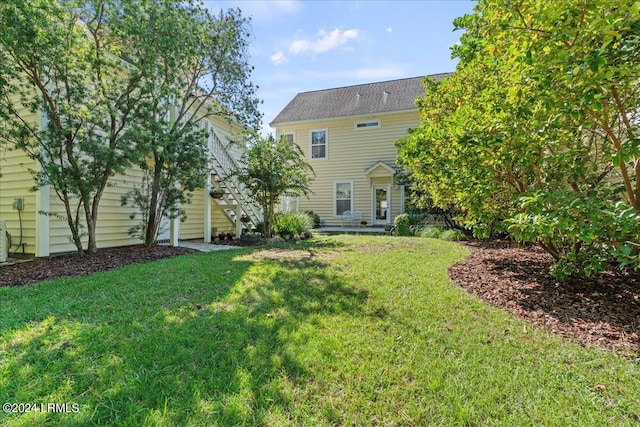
x=207, y=339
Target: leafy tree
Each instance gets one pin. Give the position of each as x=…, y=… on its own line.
x=271, y=169
x=195, y=67
x=536, y=133
x=58, y=58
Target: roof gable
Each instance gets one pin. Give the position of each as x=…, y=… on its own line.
x=364, y=99
x=380, y=168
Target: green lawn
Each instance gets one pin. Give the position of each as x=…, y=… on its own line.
x=342, y=330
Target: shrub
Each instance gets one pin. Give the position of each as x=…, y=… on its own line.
x=453, y=235
x=290, y=224
x=402, y=223
x=259, y=227
x=315, y=217
x=584, y=235
x=430, y=231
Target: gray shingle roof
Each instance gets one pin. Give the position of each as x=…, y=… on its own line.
x=369, y=98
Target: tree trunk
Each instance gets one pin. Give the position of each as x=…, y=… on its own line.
x=73, y=226
x=156, y=205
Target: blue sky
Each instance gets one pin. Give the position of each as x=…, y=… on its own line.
x=298, y=46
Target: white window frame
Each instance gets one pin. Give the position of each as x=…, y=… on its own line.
x=335, y=199
x=326, y=144
x=293, y=136
x=296, y=202
x=368, y=124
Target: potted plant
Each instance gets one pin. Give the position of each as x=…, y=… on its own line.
x=363, y=223
x=216, y=193
x=245, y=219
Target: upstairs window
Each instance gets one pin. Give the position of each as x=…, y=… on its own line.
x=372, y=124
x=319, y=144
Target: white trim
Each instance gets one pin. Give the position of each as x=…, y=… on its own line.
x=375, y=187
x=373, y=167
x=42, y=222
x=174, y=232
x=335, y=201
x=295, y=197
x=207, y=211
x=293, y=136
x=42, y=204
x=326, y=144
x=337, y=118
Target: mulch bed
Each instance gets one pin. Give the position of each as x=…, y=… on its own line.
x=603, y=311
x=40, y=269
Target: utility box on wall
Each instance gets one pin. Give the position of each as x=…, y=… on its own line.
x=4, y=244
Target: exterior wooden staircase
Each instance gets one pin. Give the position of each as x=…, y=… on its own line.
x=235, y=201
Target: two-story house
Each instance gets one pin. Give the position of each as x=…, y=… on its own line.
x=348, y=135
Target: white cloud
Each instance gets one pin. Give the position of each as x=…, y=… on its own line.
x=389, y=30
x=322, y=42
x=279, y=58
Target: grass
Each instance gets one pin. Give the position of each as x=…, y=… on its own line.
x=343, y=330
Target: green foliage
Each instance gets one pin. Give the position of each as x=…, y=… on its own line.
x=543, y=104
x=207, y=56
x=315, y=217
x=402, y=224
x=72, y=75
x=290, y=224
x=120, y=84
x=453, y=235
x=408, y=224
x=583, y=235
x=430, y=231
x=270, y=169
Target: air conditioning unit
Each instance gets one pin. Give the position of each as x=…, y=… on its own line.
x=4, y=243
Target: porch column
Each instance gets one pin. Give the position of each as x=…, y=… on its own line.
x=42, y=221
x=207, y=211
x=238, y=222
x=42, y=204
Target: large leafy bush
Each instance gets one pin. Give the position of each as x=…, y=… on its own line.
x=291, y=224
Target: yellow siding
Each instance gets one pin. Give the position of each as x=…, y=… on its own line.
x=15, y=182
x=193, y=227
x=113, y=219
x=220, y=221
x=350, y=152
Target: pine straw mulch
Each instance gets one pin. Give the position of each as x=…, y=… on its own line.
x=39, y=269
x=603, y=311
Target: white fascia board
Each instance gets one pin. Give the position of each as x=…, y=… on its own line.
x=333, y=119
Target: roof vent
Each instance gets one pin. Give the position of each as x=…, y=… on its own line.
x=385, y=96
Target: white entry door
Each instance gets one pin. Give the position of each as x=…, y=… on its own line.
x=381, y=204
